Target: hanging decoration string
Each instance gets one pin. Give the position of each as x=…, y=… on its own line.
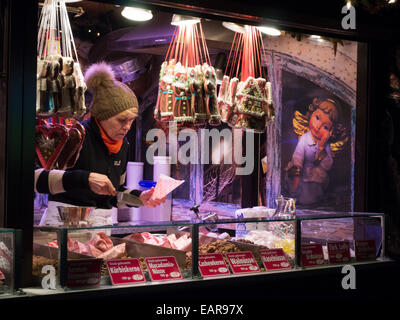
x=245, y=98
x=187, y=86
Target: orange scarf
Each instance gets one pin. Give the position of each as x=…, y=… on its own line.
x=112, y=145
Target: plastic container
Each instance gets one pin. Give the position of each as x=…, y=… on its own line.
x=134, y=174
x=162, y=165
x=256, y=212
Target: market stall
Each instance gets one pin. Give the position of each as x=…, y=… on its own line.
x=251, y=137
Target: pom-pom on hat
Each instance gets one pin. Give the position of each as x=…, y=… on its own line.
x=110, y=97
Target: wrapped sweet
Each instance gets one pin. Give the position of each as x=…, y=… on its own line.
x=246, y=104
x=210, y=94
x=196, y=81
x=164, y=107
x=60, y=84
x=183, y=113
x=187, y=95
x=187, y=86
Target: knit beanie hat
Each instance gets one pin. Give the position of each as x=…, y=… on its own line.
x=110, y=96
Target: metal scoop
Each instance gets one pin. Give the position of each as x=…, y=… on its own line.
x=209, y=217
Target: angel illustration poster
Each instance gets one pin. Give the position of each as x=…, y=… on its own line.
x=315, y=145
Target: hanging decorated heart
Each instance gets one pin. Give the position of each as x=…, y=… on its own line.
x=70, y=148
x=49, y=142
x=71, y=161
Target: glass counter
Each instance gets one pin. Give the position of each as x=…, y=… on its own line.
x=8, y=253
x=140, y=253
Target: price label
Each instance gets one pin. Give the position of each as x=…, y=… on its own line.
x=84, y=273
x=125, y=271
x=242, y=262
x=339, y=252
x=365, y=250
x=163, y=268
x=312, y=255
x=212, y=264
x=274, y=259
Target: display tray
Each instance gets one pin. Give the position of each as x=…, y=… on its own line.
x=136, y=249
x=50, y=255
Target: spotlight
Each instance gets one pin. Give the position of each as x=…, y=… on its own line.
x=137, y=14
x=270, y=31
x=178, y=20
x=234, y=27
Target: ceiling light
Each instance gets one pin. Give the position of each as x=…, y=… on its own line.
x=234, y=27
x=178, y=20
x=137, y=14
x=270, y=31
x=314, y=36
x=392, y=1
x=69, y=1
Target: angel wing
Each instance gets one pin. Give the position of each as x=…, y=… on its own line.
x=300, y=123
x=340, y=139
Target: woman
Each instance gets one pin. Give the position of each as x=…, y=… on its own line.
x=100, y=169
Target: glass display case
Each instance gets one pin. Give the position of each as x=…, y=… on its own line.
x=8, y=252
x=134, y=254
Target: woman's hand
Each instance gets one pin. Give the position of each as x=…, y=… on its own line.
x=145, y=196
x=100, y=184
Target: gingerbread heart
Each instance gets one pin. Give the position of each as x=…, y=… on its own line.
x=71, y=146
x=49, y=142
x=75, y=156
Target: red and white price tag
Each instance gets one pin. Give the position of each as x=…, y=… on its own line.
x=339, y=252
x=365, y=250
x=84, y=273
x=125, y=271
x=312, y=255
x=274, y=259
x=163, y=268
x=212, y=264
x=242, y=262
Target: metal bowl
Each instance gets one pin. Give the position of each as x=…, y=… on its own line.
x=74, y=216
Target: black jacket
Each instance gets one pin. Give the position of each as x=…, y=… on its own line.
x=94, y=157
